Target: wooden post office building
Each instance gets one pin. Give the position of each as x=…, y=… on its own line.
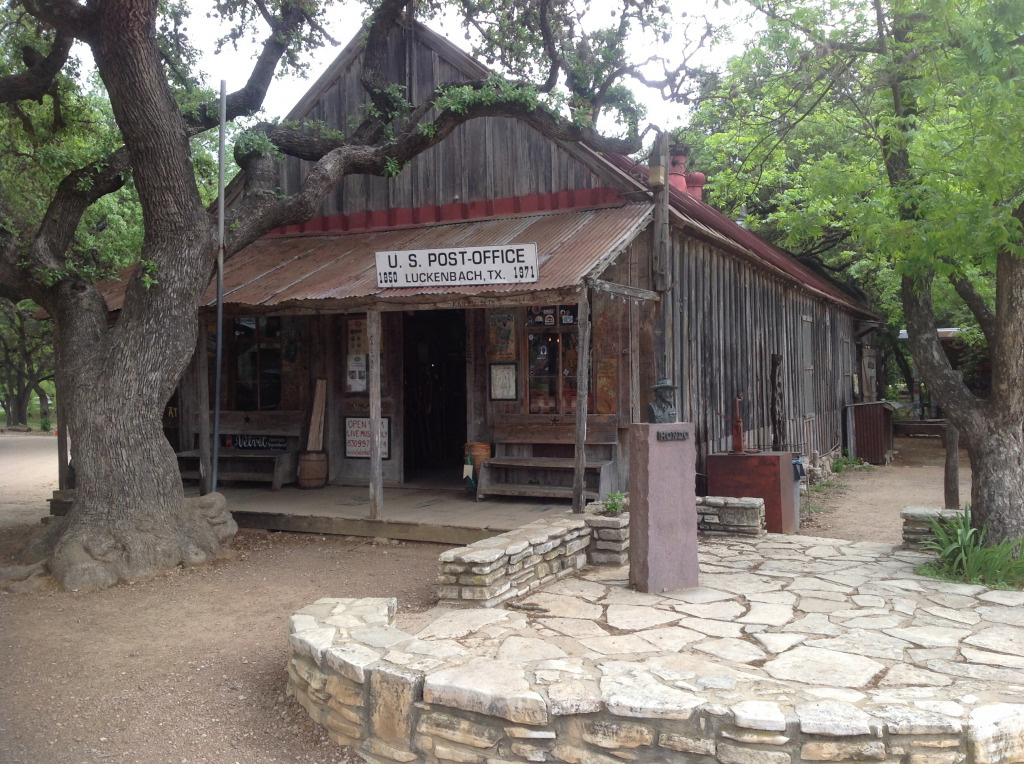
x=510, y=288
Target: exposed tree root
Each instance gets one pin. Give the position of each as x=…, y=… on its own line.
x=89, y=555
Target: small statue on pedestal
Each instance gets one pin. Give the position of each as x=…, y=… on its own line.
x=662, y=410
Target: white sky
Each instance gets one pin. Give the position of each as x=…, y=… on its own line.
x=234, y=66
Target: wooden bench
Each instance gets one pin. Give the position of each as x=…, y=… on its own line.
x=276, y=466
x=540, y=476
x=930, y=427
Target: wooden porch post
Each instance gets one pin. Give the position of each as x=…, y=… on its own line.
x=951, y=473
x=579, y=488
x=663, y=322
x=376, y=464
x=203, y=382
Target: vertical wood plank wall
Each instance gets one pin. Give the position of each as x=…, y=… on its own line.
x=733, y=317
x=490, y=158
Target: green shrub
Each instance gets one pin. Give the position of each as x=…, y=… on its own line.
x=614, y=502
x=45, y=425
x=963, y=556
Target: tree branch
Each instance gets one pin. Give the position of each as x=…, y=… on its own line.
x=66, y=16
x=73, y=197
x=548, y=41
x=372, y=78
x=37, y=79
x=979, y=308
x=960, y=405
x=249, y=99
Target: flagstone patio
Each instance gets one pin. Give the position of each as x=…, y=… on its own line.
x=792, y=649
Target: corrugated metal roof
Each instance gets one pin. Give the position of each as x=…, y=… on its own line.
x=320, y=269
x=705, y=220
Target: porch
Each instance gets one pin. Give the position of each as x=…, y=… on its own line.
x=430, y=512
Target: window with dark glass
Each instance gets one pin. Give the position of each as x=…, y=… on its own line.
x=552, y=348
x=257, y=361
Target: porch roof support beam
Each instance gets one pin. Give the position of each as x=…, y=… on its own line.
x=376, y=463
x=579, y=488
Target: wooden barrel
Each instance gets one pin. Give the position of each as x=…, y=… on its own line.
x=479, y=452
x=312, y=469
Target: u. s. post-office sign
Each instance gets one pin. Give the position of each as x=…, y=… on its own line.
x=458, y=266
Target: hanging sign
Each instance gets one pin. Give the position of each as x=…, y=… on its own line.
x=458, y=266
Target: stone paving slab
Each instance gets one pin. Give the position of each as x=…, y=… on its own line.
x=758, y=643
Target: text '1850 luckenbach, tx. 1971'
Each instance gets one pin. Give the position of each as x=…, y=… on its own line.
x=458, y=266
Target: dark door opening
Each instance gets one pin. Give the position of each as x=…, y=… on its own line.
x=435, y=394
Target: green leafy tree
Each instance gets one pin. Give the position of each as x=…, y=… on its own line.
x=883, y=141
x=26, y=360
x=130, y=517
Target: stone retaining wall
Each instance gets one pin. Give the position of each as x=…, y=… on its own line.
x=513, y=564
x=719, y=515
x=398, y=698
x=493, y=570
x=609, y=537
x=917, y=523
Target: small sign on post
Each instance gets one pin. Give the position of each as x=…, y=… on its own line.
x=458, y=266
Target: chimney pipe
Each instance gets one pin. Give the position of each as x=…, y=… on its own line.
x=691, y=183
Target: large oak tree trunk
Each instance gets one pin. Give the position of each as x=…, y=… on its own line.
x=997, y=481
x=130, y=517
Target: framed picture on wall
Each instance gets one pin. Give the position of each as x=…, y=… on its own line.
x=504, y=385
x=501, y=337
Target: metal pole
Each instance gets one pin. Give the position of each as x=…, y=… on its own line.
x=220, y=289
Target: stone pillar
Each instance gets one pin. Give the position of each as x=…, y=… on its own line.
x=662, y=507
x=394, y=693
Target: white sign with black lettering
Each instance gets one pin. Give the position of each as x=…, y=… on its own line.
x=458, y=266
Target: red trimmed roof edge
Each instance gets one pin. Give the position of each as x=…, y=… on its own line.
x=703, y=213
x=368, y=220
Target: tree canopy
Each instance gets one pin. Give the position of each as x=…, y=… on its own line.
x=883, y=141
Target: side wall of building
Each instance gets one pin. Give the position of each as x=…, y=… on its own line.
x=733, y=317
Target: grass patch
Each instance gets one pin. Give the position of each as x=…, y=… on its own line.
x=814, y=496
x=842, y=463
x=825, y=487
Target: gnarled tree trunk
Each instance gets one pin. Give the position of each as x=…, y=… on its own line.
x=130, y=517
x=997, y=482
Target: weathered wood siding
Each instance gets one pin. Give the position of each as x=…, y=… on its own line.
x=733, y=317
x=491, y=158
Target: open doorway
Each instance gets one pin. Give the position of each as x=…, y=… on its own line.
x=435, y=396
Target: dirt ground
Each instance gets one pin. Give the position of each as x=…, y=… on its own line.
x=190, y=667
x=864, y=504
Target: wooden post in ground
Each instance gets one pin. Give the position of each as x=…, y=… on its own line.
x=579, y=486
x=951, y=476
x=63, y=473
x=373, y=364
